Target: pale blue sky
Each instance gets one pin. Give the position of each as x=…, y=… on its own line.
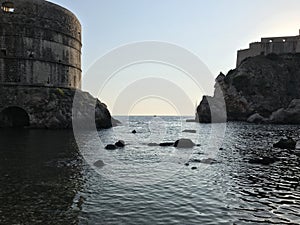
x=213, y=29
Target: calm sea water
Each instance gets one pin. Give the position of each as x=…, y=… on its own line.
x=44, y=174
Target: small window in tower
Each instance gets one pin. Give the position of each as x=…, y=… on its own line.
x=8, y=7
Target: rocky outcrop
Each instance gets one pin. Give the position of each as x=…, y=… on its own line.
x=51, y=108
x=261, y=89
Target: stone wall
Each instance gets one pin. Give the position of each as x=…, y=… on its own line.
x=40, y=44
x=277, y=45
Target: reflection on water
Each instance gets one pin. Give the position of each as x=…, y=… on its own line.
x=42, y=176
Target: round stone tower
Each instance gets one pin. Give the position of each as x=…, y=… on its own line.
x=40, y=44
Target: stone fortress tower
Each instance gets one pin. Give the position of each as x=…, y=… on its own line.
x=40, y=67
x=40, y=44
x=277, y=45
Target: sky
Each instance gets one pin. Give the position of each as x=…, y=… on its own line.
x=211, y=30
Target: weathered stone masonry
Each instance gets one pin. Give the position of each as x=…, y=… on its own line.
x=40, y=68
x=276, y=45
x=40, y=44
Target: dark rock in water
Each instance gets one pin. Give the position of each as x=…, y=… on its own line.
x=194, y=168
x=111, y=147
x=186, y=164
x=184, y=143
x=166, y=144
x=153, y=144
x=134, y=132
x=261, y=85
x=99, y=164
x=190, y=131
x=263, y=160
x=120, y=144
x=286, y=143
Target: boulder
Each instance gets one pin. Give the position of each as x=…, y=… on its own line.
x=255, y=118
x=184, y=143
x=110, y=147
x=120, y=144
x=134, y=132
x=286, y=143
x=288, y=115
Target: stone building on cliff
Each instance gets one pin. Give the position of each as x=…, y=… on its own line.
x=277, y=45
x=40, y=65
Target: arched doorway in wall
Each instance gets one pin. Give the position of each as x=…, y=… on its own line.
x=14, y=117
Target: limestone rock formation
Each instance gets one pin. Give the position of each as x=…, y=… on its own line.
x=50, y=108
x=263, y=88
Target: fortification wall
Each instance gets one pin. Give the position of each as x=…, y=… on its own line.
x=40, y=44
x=277, y=45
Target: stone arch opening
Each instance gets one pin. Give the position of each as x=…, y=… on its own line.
x=14, y=117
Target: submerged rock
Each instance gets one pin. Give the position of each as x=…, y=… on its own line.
x=184, y=143
x=189, y=131
x=286, y=143
x=263, y=160
x=99, y=164
x=110, y=147
x=166, y=144
x=153, y=144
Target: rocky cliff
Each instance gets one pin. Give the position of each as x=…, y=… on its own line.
x=261, y=89
x=52, y=108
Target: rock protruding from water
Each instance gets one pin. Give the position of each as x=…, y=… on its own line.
x=262, y=89
x=110, y=147
x=134, y=132
x=184, y=143
x=256, y=118
x=286, y=143
x=120, y=144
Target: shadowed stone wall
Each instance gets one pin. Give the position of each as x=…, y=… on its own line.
x=277, y=45
x=40, y=44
